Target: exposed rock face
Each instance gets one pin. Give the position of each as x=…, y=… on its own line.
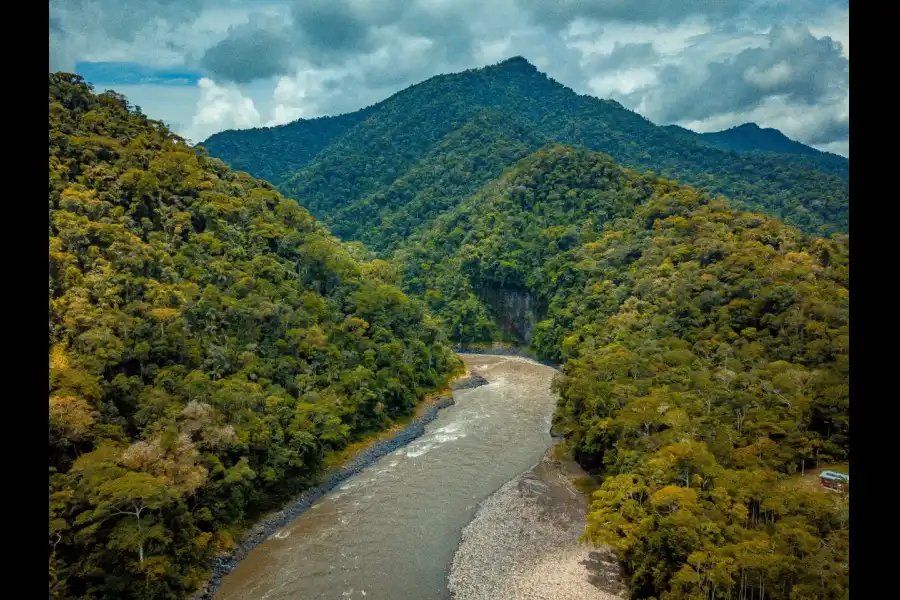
x=517, y=311
x=474, y=381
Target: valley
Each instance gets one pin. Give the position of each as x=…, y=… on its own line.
x=240, y=362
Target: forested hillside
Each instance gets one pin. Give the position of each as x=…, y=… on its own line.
x=366, y=176
x=464, y=161
x=751, y=138
x=210, y=343
x=705, y=364
x=295, y=144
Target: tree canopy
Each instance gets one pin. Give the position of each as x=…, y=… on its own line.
x=210, y=343
x=705, y=364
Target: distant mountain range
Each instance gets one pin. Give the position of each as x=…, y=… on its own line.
x=750, y=137
x=381, y=173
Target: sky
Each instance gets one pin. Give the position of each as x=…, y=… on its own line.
x=204, y=66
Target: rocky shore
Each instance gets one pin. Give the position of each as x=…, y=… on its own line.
x=524, y=543
x=260, y=532
x=471, y=382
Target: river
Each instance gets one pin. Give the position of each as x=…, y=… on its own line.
x=390, y=532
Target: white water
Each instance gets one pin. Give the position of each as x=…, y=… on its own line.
x=390, y=531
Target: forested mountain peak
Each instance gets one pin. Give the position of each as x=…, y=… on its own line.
x=514, y=64
x=210, y=343
x=517, y=60
x=751, y=136
x=342, y=173
x=750, y=126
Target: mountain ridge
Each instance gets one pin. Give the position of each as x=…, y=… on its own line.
x=745, y=137
x=762, y=138
x=750, y=138
x=368, y=157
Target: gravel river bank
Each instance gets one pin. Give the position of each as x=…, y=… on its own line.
x=264, y=529
x=390, y=530
x=451, y=506
x=523, y=543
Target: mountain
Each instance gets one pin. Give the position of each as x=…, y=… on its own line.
x=705, y=364
x=384, y=162
x=462, y=162
x=295, y=144
x=210, y=345
x=750, y=137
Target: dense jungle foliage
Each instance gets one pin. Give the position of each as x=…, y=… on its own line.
x=401, y=165
x=210, y=344
x=705, y=365
x=295, y=144
x=751, y=138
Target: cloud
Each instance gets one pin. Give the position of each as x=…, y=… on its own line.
x=258, y=49
x=624, y=56
x=562, y=13
x=219, y=108
x=692, y=61
x=559, y=14
x=331, y=30
x=312, y=90
x=625, y=84
x=317, y=32
x=293, y=97
x=334, y=33
x=832, y=129
x=793, y=64
x=122, y=22
x=81, y=27
x=450, y=28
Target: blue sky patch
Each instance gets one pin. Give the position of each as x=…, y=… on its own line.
x=128, y=73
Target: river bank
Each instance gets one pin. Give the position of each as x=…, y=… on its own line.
x=391, y=530
x=360, y=456
x=523, y=542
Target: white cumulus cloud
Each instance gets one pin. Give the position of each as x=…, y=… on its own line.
x=221, y=107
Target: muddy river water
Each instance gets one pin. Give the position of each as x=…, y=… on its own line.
x=390, y=532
